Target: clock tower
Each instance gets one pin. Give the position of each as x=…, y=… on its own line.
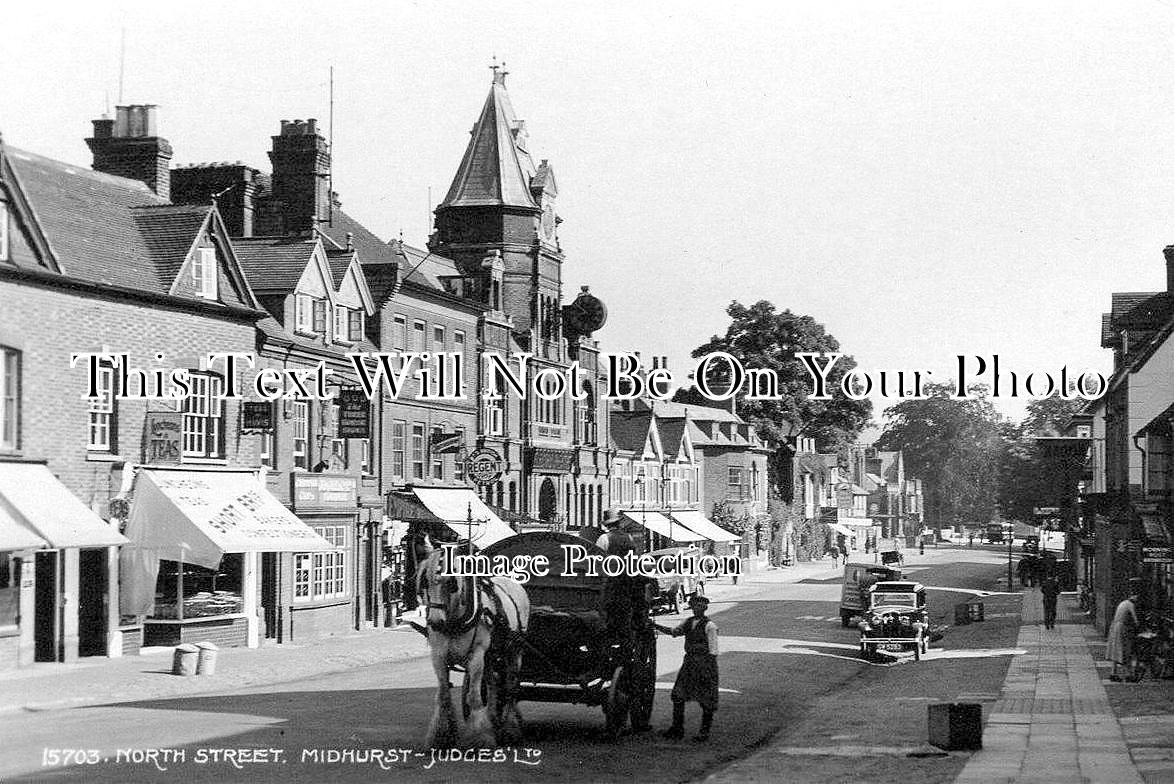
x=501, y=204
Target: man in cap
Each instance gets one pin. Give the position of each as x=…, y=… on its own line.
x=697, y=678
x=615, y=541
x=618, y=589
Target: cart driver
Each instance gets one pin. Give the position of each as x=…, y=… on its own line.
x=697, y=678
x=617, y=591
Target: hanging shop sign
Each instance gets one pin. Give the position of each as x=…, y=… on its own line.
x=1163, y=555
x=445, y=443
x=324, y=492
x=484, y=466
x=164, y=442
x=257, y=416
x=354, y=414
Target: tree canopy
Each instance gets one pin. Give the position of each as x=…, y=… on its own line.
x=1030, y=476
x=955, y=446
x=761, y=337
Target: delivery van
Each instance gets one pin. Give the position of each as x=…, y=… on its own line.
x=857, y=579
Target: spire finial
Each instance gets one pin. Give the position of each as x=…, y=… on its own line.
x=499, y=71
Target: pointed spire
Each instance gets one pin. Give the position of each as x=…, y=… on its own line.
x=496, y=169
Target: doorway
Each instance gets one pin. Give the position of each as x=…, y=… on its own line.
x=47, y=618
x=92, y=603
x=270, y=596
x=547, y=501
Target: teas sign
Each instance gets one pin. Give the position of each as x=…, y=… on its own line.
x=258, y=416
x=354, y=414
x=164, y=438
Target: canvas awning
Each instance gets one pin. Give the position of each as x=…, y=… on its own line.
x=35, y=500
x=843, y=530
x=453, y=506
x=198, y=516
x=15, y=535
x=658, y=523
x=700, y=524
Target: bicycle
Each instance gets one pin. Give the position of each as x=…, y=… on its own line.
x=1155, y=649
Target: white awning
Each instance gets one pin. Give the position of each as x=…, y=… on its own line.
x=198, y=516
x=841, y=529
x=700, y=524
x=36, y=500
x=15, y=535
x=658, y=523
x=454, y=505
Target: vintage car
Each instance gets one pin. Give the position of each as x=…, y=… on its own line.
x=896, y=619
x=673, y=591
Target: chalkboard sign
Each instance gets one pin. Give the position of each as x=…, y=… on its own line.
x=354, y=414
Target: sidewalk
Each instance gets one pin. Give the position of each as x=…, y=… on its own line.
x=97, y=681
x=1052, y=721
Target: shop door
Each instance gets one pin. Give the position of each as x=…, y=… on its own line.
x=45, y=608
x=269, y=596
x=92, y=602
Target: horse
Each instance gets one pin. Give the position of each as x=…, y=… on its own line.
x=473, y=622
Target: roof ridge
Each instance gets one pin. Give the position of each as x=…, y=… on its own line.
x=85, y=171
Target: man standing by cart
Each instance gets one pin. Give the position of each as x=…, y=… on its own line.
x=618, y=590
x=697, y=678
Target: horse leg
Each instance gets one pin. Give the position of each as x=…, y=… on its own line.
x=509, y=730
x=479, y=729
x=443, y=729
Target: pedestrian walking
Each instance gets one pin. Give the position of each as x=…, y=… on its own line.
x=1050, y=588
x=1121, y=633
x=921, y=545
x=835, y=554
x=970, y=541
x=697, y=679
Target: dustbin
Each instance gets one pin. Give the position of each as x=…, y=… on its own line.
x=974, y=610
x=185, y=659
x=206, y=664
x=955, y=726
x=961, y=614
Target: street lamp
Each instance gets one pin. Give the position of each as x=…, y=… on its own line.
x=639, y=482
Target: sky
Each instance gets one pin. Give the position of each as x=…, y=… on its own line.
x=926, y=179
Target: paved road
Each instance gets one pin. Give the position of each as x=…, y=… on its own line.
x=791, y=675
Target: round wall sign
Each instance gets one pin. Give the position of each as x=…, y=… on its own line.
x=484, y=466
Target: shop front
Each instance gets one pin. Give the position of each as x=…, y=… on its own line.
x=659, y=532
x=192, y=570
x=58, y=563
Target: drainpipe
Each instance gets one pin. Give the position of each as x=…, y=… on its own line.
x=1144, y=466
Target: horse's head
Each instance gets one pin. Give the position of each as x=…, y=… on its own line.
x=451, y=602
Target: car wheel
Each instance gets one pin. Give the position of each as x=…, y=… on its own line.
x=845, y=619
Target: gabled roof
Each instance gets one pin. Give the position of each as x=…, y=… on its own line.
x=372, y=250
x=274, y=264
x=664, y=408
x=1151, y=312
x=113, y=231
x=673, y=436
x=629, y=429
x=496, y=170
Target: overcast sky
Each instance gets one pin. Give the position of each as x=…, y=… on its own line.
x=926, y=179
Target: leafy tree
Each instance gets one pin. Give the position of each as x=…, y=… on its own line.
x=760, y=337
x=955, y=446
x=1029, y=475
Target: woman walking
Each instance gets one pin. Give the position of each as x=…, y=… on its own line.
x=1121, y=633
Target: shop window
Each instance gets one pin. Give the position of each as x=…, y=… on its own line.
x=417, y=451
x=300, y=419
x=9, y=398
x=102, y=411
x=398, y=446
x=319, y=576
x=185, y=590
x=203, y=417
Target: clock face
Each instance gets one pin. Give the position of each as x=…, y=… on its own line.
x=587, y=314
x=548, y=221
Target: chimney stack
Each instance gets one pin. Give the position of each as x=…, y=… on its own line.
x=301, y=178
x=129, y=146
x=231, y=186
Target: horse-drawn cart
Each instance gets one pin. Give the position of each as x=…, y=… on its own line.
x=573, y=652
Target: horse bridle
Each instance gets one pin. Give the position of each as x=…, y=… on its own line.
x=449, y=626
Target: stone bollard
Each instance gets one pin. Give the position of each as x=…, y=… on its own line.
x=206, y=664
x=185, y=659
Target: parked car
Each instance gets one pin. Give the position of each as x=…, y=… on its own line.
x=858, y=578
x=896, y=619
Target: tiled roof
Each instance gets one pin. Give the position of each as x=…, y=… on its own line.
x=1124, y=301
x=1152, y=312
x=105, y=229
x=671, y=433
x=372, y=250
x=629, y=429
x=426, y=269
x=494, y=170
x=339, y=262
x=698, y=436
x=696, y=413
x=273, y=263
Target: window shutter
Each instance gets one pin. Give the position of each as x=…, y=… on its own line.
x=319, y=315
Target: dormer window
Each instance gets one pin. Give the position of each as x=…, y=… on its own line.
x=204, y=273
x=356, y=325
x=309, y=315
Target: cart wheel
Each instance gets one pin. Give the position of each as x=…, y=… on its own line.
x=615, y=704
x=643, y=683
